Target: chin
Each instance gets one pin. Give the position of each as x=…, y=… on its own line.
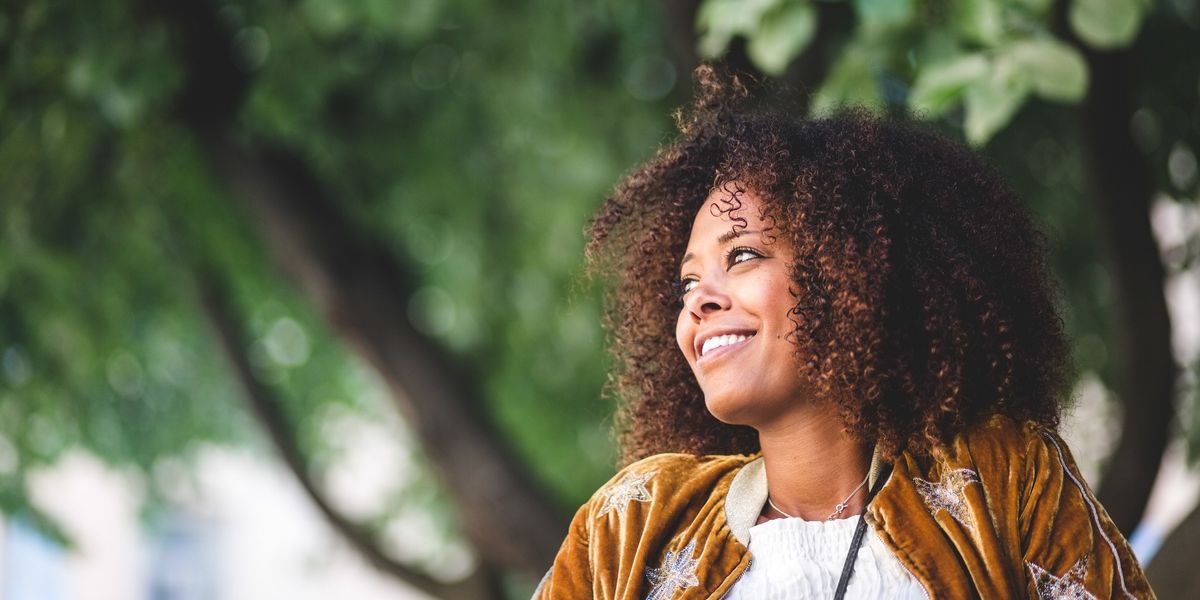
x=730, y=411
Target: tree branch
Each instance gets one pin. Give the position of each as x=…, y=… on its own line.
x=362, y=290
x=267, y=410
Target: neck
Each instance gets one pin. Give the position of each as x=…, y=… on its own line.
x=812, y=465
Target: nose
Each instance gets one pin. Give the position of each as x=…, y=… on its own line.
x=707, y=298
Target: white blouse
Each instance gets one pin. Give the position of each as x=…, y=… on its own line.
x=794, y=559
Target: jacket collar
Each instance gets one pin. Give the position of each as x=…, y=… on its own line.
x=748, y=493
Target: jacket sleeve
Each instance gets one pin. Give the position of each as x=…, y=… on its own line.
x=1070, y=546
x=570, y=576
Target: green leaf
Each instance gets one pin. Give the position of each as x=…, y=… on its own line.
x=715, y=19
x=1106, y=24
x=327, y=19
x=940, y=85
x=720, y=20
x=1037, y=7
x=851, y=81
x=781, y=36
x=980, y=21
x=1055, y=69
x=883, y=14
x=991, y=102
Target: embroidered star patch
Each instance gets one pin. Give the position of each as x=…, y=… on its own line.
x=678, y=572
x=1067, y=587
x=947, y=494
x=630, y=488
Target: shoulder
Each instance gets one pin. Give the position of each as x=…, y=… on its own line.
x=1010, y=461
x=675, y=469
x=658, y=489
x=1011, y=501
x=1029, y=461
x=647, y=503
x=666, y=482
x=1064, y=534
x=1014, y=459
x=1002, y=432
x=1003, y=444
x=655, y=507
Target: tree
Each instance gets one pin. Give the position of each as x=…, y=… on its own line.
x=218, y=212
x=161, y=156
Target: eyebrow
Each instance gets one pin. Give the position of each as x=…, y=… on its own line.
x=733, y=234
x=724, y=238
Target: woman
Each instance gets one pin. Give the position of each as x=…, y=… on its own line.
x=840, y=355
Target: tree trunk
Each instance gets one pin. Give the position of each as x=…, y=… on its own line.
x=1173, y=572
x=1121, y=189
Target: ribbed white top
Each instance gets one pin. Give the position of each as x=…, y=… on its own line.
x=794, y=559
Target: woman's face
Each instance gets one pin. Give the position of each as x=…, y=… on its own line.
x=733, y=327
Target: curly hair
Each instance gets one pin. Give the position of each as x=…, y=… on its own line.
x=923, y=301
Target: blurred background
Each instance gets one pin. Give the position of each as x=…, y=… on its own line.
x=291, y=292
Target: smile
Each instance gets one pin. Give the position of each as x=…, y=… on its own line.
x=719, y=344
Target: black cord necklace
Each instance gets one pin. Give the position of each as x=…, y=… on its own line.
x=859, y=531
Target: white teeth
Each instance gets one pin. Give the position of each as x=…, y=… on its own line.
x=722, y=340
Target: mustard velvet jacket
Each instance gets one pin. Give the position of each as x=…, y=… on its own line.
x=1001, y=513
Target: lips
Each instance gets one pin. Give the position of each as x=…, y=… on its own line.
x=714, y=343
x=721, y=341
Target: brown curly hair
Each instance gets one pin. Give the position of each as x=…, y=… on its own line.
x=923, y=303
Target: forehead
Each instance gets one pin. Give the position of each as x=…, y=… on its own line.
x=728, y=210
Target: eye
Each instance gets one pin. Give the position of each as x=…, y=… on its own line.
x=741, y=255
x=685, y=285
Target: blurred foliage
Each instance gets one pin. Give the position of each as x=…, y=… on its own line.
x=475, y=139
x=989, y=56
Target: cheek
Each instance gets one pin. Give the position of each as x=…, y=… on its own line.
x=684, y=334
x=772, y=298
